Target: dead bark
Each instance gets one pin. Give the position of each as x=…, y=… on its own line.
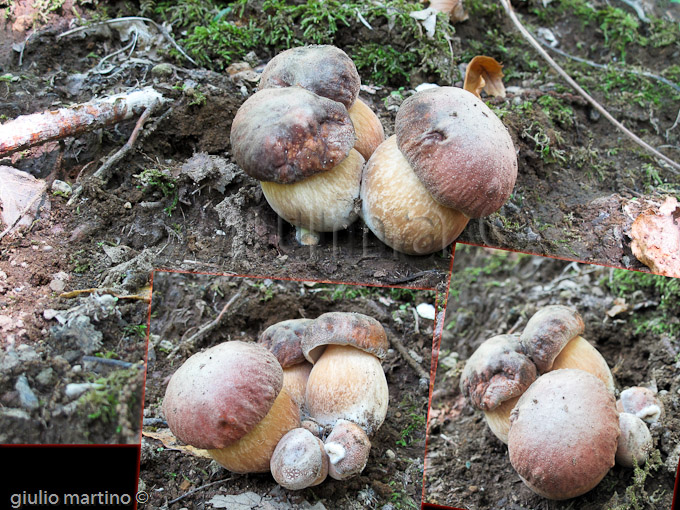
x=29, y=130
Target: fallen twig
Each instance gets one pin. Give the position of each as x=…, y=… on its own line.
x=401, y=349
x=205, y=328
x=112, y=362
x=536, y=45
x=197, y=489
x=606, y=67
x=29, y=130
x=145, y=295
x=160, y=28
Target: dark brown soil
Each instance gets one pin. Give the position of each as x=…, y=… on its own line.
x=182, y=303
x=495, y=292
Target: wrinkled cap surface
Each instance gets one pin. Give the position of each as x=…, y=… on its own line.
x=548, y=331
x=325, y=70
x=217, y=396
x=563, y=434
x=458, y=148
x=283, y=339
x=344, y=328
x=287, y=135
x=497, y=371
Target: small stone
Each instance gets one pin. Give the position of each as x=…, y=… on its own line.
x=127, y=205
x=74, y=390
x=390, y=454
x=50, y=313
x=62, y=187
x=426, y=311
x=473, y=488
x=26, y=396
x=44, y=378
x=162, y=70
x=57, y=285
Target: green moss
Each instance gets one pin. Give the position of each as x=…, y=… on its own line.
x=663, y=319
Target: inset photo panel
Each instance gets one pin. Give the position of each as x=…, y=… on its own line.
x=267, y=393
x=557, y=386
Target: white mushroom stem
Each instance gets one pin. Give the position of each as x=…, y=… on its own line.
x=347, y=383
x=321, y=203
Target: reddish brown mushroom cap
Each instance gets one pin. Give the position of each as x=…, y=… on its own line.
x=459, y=148
x=563, y=434
x=497, y=371
x=286, y=135
x=547, y=332
x=325, y=70
x=283, y=339
x=347, y=447
x=219, y=395
x=344, y=328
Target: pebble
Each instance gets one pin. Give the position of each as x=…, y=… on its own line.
x=62, y=187
x=26, y=396
x=390, y=454
x=74, y=390
x=426, y=311
x=44, y=378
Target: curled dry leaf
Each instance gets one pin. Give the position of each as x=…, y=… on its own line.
x=484, y=73
x=454, y=8
x=656, y=238
x=172, y=443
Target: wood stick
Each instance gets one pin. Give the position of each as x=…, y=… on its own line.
x=29, y=130
x=530, y=39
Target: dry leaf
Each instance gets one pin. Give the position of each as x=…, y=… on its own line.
x=656, y=238
x=484, y=73
x=620, y=306
x=20, y=194
x=170, y=442
x=454, y=8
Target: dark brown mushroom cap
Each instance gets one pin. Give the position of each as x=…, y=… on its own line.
x=325, y=70
x=547, y=332
x=287, y=135
x=497, y=371
x=283, y=339
x=458, y=148
x=217, y=396
x=563, y=434
x=344, y=328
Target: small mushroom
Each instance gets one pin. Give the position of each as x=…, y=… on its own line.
x=635, y=441
x=563, y=434
x=347, y=447
x=299, y=460
x=642, y=402
x=229, y=400
x=305, y=135
x=552, y=340
x=461, y=153
x=494, y=378
x=283, y=339
x=347, y=381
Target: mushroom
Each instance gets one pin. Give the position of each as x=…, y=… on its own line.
x=635, y=441
x=552, y=340
x=283, y=339
x=461, y=153
x=229, y=400
x=563, y=434
x=347, y=380
x=347, y=447
x=494, y=378
x=299, y=460
x=641, y=402
x=305, y=136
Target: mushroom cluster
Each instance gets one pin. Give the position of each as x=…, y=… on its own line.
x=550, y=396
x=450, y=160
x=243, y=402
x=317, y=149
x=305, y=135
